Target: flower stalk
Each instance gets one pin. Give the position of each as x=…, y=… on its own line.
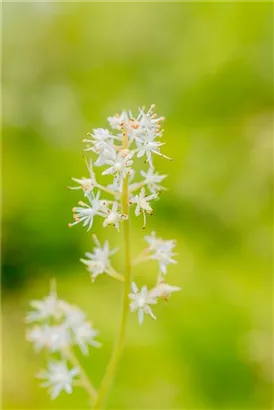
x=57, y=326
x=115, y=357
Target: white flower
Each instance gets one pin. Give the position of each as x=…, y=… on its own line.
x=141, y=125
x=98, y=262
x=113, y=216
x=142, y=204
x=105, y=153
x=120, y=165
x=100, y=136
x=156, y=243
x=86, y=184
x=85, y=213
x=58, y=378
x=164, y=258
x=54, y=338
x=116, y=121
x=102, y=144
x=149, y=122
x=141, y=301
x=163, y=290
x=147, y=146
x=153, y=180
x=84, y=335
x=73, y=315
x=44, y=309
x=163, y=251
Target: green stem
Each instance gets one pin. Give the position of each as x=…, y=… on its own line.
x=115, y=357
x=85, y=381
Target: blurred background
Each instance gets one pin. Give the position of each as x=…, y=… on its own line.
x=208, y=67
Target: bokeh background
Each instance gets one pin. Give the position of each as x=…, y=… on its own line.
x=208, y=68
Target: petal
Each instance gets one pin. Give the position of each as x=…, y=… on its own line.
x=134, y=287
x=140, y=316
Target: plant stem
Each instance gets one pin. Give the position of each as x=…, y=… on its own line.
x=112, y=272
x=85, y=381
x=112, y=366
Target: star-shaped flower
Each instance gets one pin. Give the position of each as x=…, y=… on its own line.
x=140, y=301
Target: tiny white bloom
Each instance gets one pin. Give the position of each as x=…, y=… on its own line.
x=99, y=136
x=156, y=243
x=106, y=152
x=84, y=335
x=55, y=338
x=153, y=180
x=85, y=213
x=113, y=216
x=58, y=378
x=147, y=146
x=117, y=120
x=163, y=251
x=119, y=166
x=140, y=301
x=98, y=262
x=86, y=184
x=164, y=258
x=44, y=309
x=163, y=290
x=142, y=204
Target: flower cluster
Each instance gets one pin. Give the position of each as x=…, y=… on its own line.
x=143, y=133
x=160, y=250
x=57, y=327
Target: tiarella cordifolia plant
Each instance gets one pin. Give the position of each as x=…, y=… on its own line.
x=58, y=326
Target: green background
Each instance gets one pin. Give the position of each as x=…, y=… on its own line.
x=208, y=68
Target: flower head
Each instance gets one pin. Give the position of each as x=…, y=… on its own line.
x=86, y=184
x=55, y=338
x=113, y=217
x=142, y=204
x=58, y=378
x=119, y=166
x=44, y=309
x=163, y=290
x=140, y=301
x=98, y=262
x=153, y=180
x=58, y=333
x=85, y=213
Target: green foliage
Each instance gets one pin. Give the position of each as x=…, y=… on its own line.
x=208, y=68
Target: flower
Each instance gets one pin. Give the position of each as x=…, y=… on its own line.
x=86, y=184
x=141, y=301
x=120, y=165
x=163, y=251
x=86, y=213
x=149, y=122
x=117, y=120
x=141, y=125
x=100, y=136
x=147, y=146
x=105, y=153
x=163, y=290
x=152, y=180
x=44, y=309
x=142, y=204
x=98, y=262
x=56, y=333
x=54, y=338
x=58, y=378
x=164, y=258
x=156, y=243
x=113, y=216
x=84, y=335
